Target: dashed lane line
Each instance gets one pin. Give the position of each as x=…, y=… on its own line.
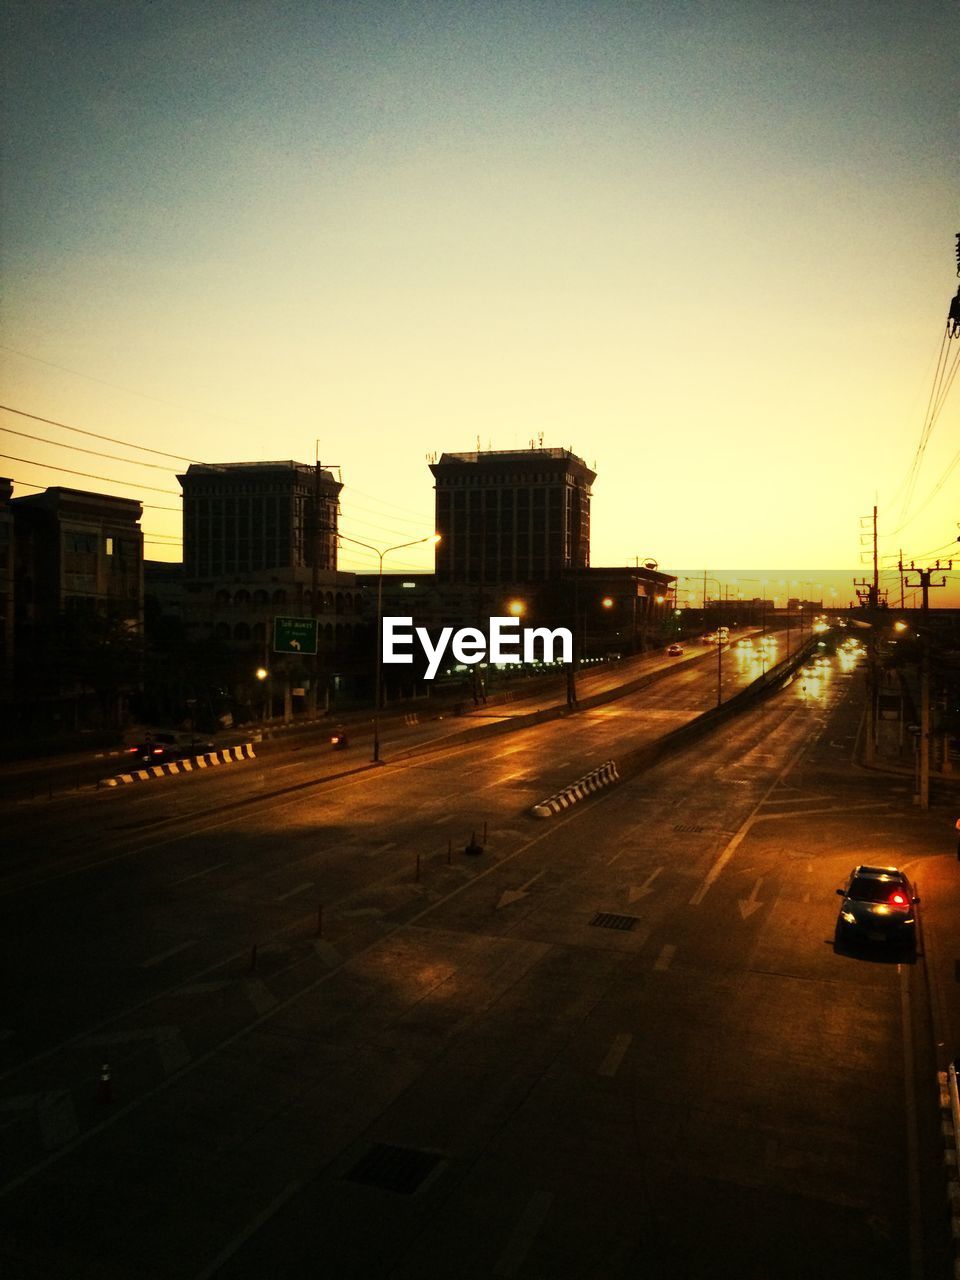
x=165, y=955
x=615, y=1055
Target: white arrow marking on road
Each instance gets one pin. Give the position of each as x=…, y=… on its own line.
x=513, y=895
x=641, y=891
x=197, y=874
x=301, y=888
x=165, y=955
x=259, y=995
x=54, y=1113
x=750, y=905
x=173, y=1051
x=615, y=1055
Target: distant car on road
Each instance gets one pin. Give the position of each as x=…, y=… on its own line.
x=674, y=650
x=161, y=748
x=878, y=906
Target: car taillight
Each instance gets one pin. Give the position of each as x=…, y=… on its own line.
x=899, y=899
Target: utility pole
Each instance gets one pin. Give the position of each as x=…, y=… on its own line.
x=925, y=584
x=868, y=593
x=319, y=529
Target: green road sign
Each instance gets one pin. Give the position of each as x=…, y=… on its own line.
x=294, y=635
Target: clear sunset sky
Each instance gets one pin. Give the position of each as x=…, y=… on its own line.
x=709, y=246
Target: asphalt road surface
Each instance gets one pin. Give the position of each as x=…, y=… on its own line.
x=616, y=1043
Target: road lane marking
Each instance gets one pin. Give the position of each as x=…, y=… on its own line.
x=839, y=808
x=225, y=1254
x=197, y=874
x=641, y=891
x=174, y=1053
x=913, y=1143
x=749, y=905
x=734, y=843
x=665, y=957
x=615, y=1055
x=523, y=1234
x=58, y=1119
x=54, y=1158
x=259, y=995
x=165, y=955
x=301, y=888
x=514, y=895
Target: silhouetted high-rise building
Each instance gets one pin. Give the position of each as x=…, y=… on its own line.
x=513, y=516
x=241, y=517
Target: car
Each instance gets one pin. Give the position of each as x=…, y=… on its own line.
x=152, y=752
x=162, y=747
x=674, y=650
x=878, y=906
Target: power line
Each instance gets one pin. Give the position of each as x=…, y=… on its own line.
x=127, y=390
x=160, y=453
x=147, y=506
x=76, y=448
x=86, y=474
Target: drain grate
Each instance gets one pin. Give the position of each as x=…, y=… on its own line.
x=399, y=1169
x=687, y=826
x=608, y=920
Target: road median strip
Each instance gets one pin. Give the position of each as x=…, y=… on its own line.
x=210, y=759
x=638, y=759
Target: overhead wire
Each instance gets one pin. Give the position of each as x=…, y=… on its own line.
x=946, y=372
x=48, y=466
x=95, y=453
x=420, y=519
x=147, y=506
x=51, y=422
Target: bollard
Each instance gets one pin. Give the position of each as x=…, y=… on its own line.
x=253, y=959
x=105, y=1086
x=473, y=847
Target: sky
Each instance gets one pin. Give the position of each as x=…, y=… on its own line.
x=709, y=247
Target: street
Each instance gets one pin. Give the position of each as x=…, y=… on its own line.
x=618, y=1042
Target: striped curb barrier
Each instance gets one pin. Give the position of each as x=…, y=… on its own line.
x=210, y=760
x=593, y=781
x=950, y=1126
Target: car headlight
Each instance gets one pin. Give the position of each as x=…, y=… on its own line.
x=849, y=917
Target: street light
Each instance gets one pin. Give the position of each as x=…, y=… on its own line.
x=262, y=674
x=432, y=537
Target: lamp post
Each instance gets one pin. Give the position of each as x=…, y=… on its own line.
x=262, y=674
x=378, y=640
x=719, y=638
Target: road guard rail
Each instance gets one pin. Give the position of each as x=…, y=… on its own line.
x=210, y=759
x=950, y=1107
x=638, y=760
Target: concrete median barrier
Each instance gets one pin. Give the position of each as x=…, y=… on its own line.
x=209, y=760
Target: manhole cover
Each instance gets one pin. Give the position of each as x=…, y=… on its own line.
x=399, y=1169
x=608, y=920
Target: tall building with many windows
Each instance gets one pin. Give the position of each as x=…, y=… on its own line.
x=513, y=516
x=260, y=543
x=242, y=517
